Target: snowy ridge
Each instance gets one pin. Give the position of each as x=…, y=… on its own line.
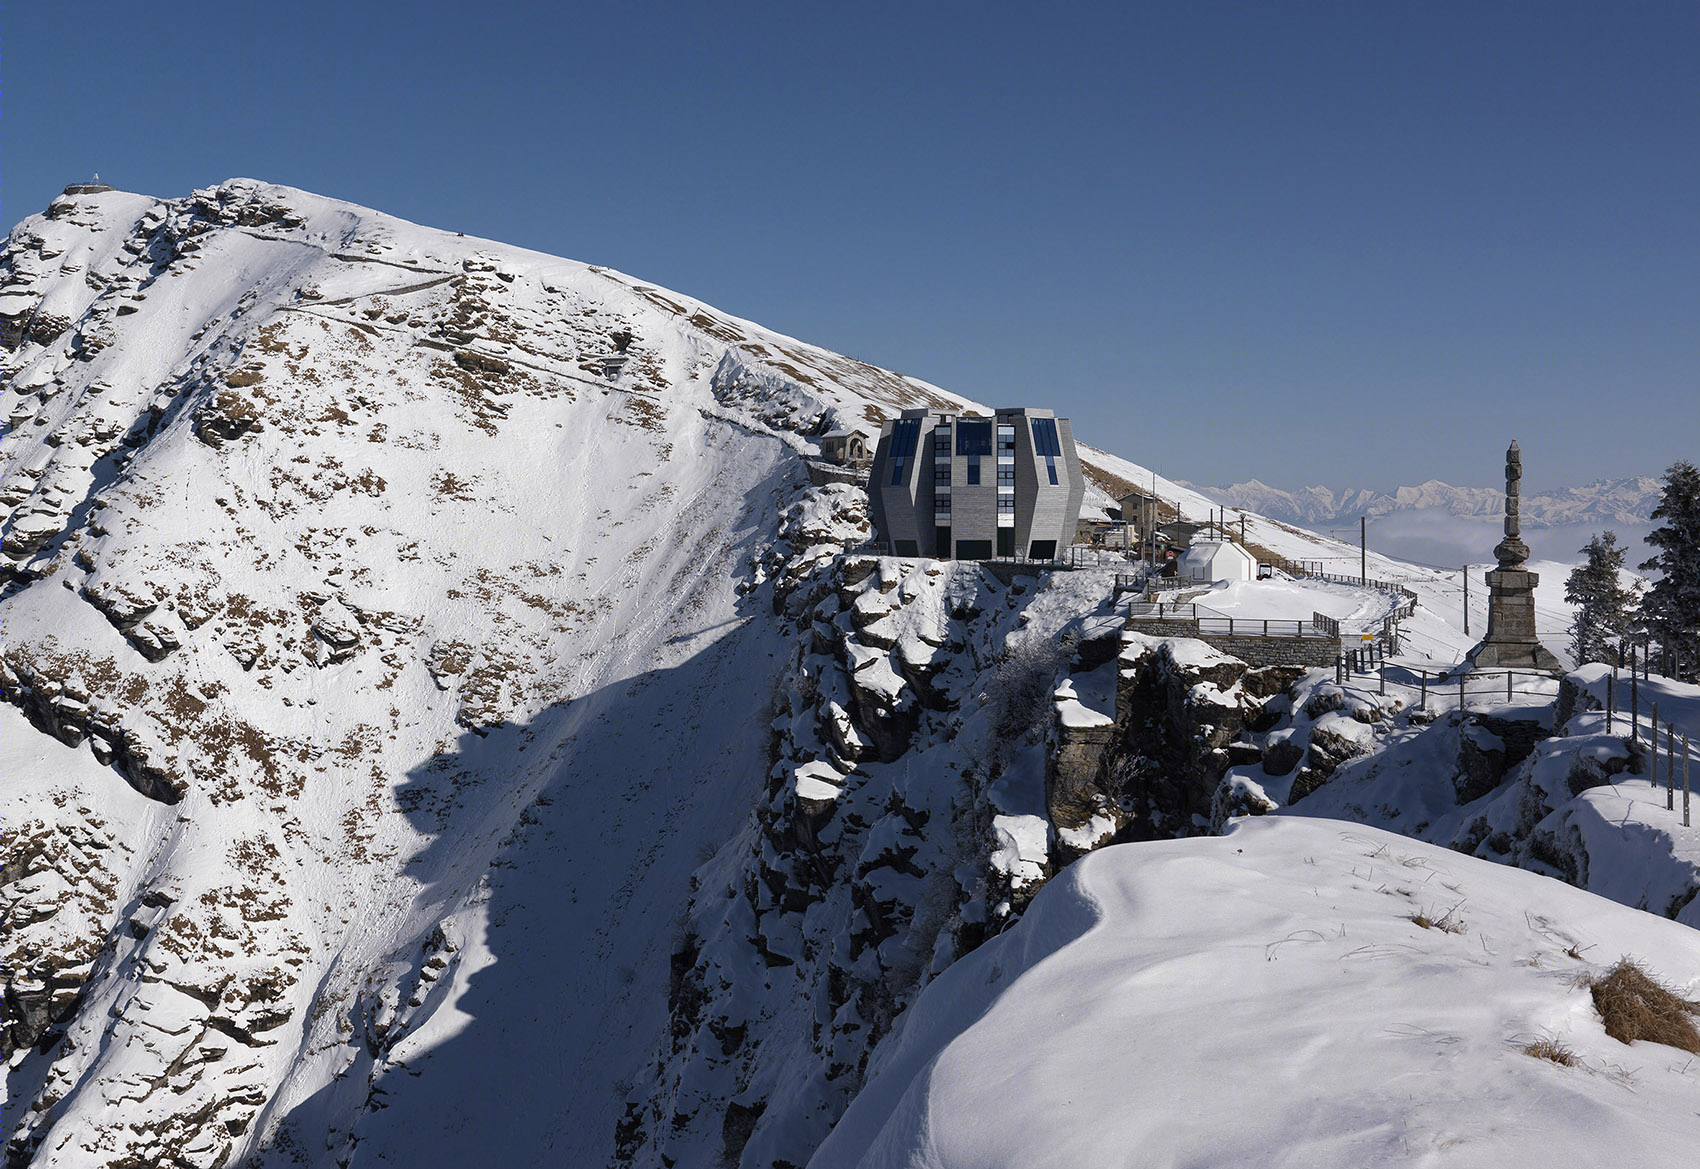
x=1390, y=1043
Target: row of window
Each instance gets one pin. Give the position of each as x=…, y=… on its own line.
x=978, y=549
x=1006, y=475
x=973, y=440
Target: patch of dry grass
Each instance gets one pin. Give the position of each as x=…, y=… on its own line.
x=1551, y=1049
x=1446, y=923
x=1635, y=1005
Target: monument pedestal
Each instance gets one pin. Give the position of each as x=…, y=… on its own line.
x=1511, y=642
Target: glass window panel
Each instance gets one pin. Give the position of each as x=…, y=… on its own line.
x=904, y=436
x=1045, y=441
x=973, y=438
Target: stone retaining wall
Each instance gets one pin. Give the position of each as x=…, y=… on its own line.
x=1316, y=652
x=820, y=474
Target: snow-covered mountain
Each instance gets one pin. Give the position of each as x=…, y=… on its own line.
x=422, y=590
x=1621, y=502
x=444, y=724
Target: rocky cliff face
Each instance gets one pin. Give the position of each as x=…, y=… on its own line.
x=344, y=543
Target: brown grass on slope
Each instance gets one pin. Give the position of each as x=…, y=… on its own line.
x=1634, y=1005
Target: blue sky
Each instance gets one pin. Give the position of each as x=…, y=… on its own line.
x=1362, y=244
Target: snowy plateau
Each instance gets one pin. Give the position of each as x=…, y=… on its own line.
x=446, y=723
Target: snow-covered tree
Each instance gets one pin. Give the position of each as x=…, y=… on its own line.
x=1602, y=603
x=1672, y=606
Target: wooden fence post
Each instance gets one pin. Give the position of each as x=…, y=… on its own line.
x=1685, y=780
x=1670, y=768
x=1654, y=740
x=1634, y=700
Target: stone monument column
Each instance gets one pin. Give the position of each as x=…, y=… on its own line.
x=1510, y=641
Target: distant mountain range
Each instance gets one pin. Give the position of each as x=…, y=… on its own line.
x=1611, y=501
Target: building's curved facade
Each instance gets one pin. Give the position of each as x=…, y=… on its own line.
x=964, y=487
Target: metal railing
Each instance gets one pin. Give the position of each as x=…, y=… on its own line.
x=1163, y=611
x=1209, y=621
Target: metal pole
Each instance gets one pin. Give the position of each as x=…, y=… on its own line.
x=1461, y=707
x=1424, y=674
x=1363, y=550
x=1508, y=677
x=1384, y=675
x=1611, y=697
x=1466, y=598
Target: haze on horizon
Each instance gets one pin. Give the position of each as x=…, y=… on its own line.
x=1355, y=245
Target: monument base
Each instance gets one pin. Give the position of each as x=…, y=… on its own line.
x=1510, y=642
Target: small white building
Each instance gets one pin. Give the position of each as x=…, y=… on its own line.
x=1214, y=559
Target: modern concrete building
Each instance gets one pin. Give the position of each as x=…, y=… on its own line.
x=957, y=486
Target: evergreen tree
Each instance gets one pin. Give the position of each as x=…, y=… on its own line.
x=1672, y=607
x=1602, y=603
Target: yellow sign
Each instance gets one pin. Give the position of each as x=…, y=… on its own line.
x=1369, y=637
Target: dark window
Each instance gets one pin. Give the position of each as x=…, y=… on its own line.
x=904, y=436
x=941, y=543
x=1052, y=468
x=1045, y=437
x=974, y=471
x=973, y=438
x=1006, y=541
x=1006, y=475
x=941, y=472
x=1043, y=550
x=973, y=549
x=1006, y=505
x=941, y=505
x=907, y=548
